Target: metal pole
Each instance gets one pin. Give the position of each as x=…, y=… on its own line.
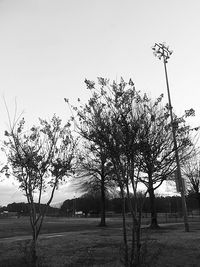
x=162, y=51
x=184, y=207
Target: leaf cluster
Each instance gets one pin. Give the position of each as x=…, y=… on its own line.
x=40, y=156
x=134, y=130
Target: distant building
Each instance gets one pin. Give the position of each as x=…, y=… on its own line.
x=6, y=213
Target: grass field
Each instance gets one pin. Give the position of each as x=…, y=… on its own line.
x=79, y=242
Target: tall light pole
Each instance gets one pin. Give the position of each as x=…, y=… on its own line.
x=162, y=52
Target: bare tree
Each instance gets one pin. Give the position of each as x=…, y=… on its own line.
x=93, y=173
x=157, y=147
x=191, y=171
x=107, y=121
x=40, y=158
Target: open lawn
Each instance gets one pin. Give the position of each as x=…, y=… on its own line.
x=79, y=242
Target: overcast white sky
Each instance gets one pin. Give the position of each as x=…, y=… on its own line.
x=48, y=48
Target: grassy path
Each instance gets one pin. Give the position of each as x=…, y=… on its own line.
x=79, y=243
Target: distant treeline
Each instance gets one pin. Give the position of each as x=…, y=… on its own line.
x=23, y=208
x=92, y=205
x=89, y=204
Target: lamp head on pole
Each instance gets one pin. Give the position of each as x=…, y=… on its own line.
x=161, y=50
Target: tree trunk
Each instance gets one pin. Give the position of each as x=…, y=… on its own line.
x=33, y=245
x=103, y=203
x=138, y=239
x=126, y=254
x=154, y=222
x=198, y=198
x=34, y=258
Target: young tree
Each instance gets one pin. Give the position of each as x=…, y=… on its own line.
x=157, y=155
x=107, y=122
x=40, y=158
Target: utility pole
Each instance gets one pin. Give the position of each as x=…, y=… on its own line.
x=162, y=52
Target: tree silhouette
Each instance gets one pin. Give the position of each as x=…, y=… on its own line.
x=93, y=174
x=157, y=147
x=107, y=121
x=191, y=171
x=39, y=158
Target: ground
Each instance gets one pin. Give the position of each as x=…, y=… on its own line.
x=78, y=242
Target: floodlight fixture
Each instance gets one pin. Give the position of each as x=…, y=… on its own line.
x=161, y=50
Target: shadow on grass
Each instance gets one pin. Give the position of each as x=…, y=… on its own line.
x=16, y=262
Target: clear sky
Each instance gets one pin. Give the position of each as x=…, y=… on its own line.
x=48, y=48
